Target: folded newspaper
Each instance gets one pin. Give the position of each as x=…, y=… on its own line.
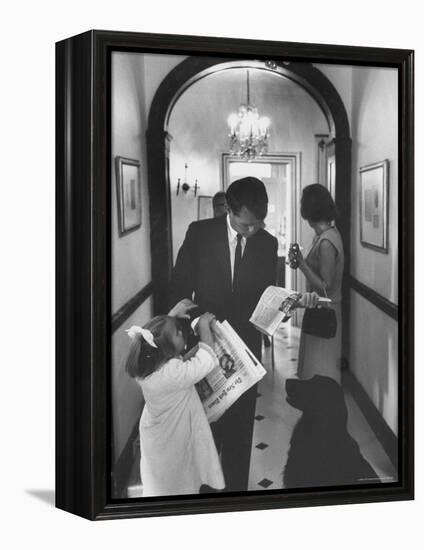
x=275, y=306
x=238, y=370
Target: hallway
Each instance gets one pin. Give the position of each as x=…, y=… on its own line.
x=275, y=420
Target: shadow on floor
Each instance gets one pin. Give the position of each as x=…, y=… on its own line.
x=45, y=495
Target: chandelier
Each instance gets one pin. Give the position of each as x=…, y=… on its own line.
x=248, y=132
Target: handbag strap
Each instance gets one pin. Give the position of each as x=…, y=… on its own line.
x=326, y=295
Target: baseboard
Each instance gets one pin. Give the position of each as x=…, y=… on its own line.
x=123, y=466
x=381, y=429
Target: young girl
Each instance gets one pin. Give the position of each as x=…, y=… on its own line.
x=178, y=453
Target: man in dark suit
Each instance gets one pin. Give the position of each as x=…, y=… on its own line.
x=224, y=265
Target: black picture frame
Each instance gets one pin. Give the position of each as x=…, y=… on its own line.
x=131, y=201
x=368, y=220
x=83, y=172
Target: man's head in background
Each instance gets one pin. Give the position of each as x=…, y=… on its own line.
x=219, y=204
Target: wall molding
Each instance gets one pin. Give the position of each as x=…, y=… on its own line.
x=379, y=426
x=132, y=305
x=383, y=304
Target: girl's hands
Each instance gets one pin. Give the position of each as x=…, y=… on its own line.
x=206, y=327
x=181, y=309
x=309, y=300
x=206, y=321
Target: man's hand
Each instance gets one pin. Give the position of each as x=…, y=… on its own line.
x=309, y=300
x=181, y=309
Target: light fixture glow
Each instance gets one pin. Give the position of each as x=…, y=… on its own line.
x=248, y=132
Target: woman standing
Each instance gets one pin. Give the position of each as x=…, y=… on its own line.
x=323, y=270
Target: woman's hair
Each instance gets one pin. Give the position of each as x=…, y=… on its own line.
x=249, y=192
x=317, y=205
x=143, y=359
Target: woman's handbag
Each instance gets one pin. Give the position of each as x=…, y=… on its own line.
x=320, y=322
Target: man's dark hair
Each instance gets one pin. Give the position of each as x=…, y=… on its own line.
x=248, y=192
x=317, y=205
x=217, y=197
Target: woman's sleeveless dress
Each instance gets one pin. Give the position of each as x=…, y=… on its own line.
x=323, y=355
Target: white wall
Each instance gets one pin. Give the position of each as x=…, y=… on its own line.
x=198, y=125
x=375, y=138
x=374, y=356
x=374, y=337
x=131, y=264
x=127, y=398
x=371, y=100
x=135, y=79
x=131, y=261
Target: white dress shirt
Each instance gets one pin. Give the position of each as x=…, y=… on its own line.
x=232, y=242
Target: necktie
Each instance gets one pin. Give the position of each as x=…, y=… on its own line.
x=237, y=263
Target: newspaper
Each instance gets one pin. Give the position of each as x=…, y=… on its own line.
x=238, y=370
x=275, y=306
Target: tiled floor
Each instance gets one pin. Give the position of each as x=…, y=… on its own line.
x=278, y=417
x=275, y=420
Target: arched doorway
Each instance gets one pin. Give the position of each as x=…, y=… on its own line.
x=175, y=83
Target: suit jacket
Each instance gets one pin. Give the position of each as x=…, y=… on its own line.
x=203, y=273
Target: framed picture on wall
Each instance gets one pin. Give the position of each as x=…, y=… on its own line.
x=374, y=211
x=128, y=187
x=134, y=434
x=204, y=207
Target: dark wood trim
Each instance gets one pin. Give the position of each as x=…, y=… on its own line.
x=383, y=304
x=132, y=305
x=379, y=426
x=406, y=269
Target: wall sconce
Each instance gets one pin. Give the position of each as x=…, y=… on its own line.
x=185, y=187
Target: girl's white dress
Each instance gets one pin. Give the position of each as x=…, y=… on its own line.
x=178, y=453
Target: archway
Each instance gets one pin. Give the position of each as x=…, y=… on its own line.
x=175, y=83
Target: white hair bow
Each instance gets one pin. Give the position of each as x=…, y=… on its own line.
x=145, y=333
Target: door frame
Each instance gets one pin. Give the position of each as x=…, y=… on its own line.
x=294, y=161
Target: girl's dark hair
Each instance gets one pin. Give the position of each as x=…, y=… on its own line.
x=143, y=359
x=249, y=192
x=317, y=205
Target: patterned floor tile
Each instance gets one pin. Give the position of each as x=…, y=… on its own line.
x=265, y=483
